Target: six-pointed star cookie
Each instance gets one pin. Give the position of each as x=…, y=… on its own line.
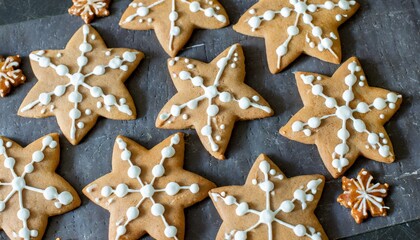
x=10, y=74
x=88, y=9
x=293, y=27
x=211, y=97
x=148, y=190
x=344, y=117
x=30, y=190
x=174, y=20
x=269, y=205
x=81, y=83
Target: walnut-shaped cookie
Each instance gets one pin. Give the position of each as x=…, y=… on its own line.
x=270, y=206
x=293, y=27
x=344, y=117
x=10, y=74
x=211, y=98
x=174, y=20
x=81, y=83
x=147, y=190
x=30, y=190
x=362, y=195
x=88, y=9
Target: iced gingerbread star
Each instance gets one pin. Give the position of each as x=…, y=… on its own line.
x=81, y=83
x=174, y=20
x=361, y=195
x=344, y=117
x=88, y=9
x=30, y=190
x=147, y=190
x=211, y=98
x=269, y=205
x=10, y=74
x=293, y=27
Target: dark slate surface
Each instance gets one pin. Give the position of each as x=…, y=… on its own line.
x=385, y=35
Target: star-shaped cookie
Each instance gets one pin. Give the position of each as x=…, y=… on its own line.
x=361, y=195
x=10, y=74
x=147, y=190
x=293, y=27
x=344, y=117
x=30, y=190
x=174, y=20
x=81, y=83
x=269, y=205
x=88, y=9
x=211, y=97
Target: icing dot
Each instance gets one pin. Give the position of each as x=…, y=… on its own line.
x=244, y=103
x=121, y=230
x=99, y=70
x=359, y=125
x=50, y=193
x=222, y=126
x=85, y=47
x=392, y=97
x=342, y=149
x=44, y=98
x=362, y=107
x=293, y=30
x=142, y=11
x=384, y=151
x=44, y=62
x=157, y=209
x=381, y=116
x=115, y=63
x=225, y=97
x=65, y=198
x=129, y=56
x=379, y=103
x=269, y=15
x=29, y=168
x=299, y=230
x=330, y=102
x=106, y=191
x=210, y=91
x=348, y=95
x=281, y=50
x=326, y=43
x=2, y=206
x=9, y=163
x=132, y=213
x=175, y=110
x=168, y=152
x=175, y=31
x=317, y=31
x=242, y=209
x=307, y=18
x=62, y=70
x=121, y=190
x=285, y=12
x=125, y=155
x=75, y=97
x=240, y=235
x=110, y=100
x=173, y=16
x=209, y=12
x=317, y=89
x=158, y=170
x=297, y=126
x=170, y=231
x=350, y=80
x=96, y=92
x=172, y=188
x=212, y=110
x=373, y=138
x=194, y=7
x=197, y=81
x=314, y=122
x=133, y=172
x=329, y=5
x=254, y=22
x=75, y=114
x=184, y=75
x=287, y=206
x=194, y=188
x=59, y=90
x=82, y=61
x=37, y=156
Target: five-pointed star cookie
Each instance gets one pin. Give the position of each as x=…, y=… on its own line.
x=211, y=97
x=10, y=74
x=344, y=117
x=293, y=27
x=174, y=20
x=147, y=190
x=269, y=205
x=88, y=9
x=81, y=83
x=30, y=190
x=361, y=195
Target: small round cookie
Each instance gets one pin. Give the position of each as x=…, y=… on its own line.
x=10, y=74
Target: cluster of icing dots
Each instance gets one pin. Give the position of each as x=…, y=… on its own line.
x=344, y=113
x=302, y=9
x=78, y=79
x=268, y=216
x=19, y=185
x=210, y=93
x=147, y=190
x=194, y=6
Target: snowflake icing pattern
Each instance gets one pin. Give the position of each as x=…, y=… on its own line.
x=88, y=9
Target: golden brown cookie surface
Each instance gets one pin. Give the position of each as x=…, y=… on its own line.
x=10, y=74
x=81, y=83
x=344, y=117
x=147, y=190
x=269, y=205
x=88, y=9
x=293, y=27
x=211, y=98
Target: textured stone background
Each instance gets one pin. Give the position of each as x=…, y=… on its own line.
x=385, y=35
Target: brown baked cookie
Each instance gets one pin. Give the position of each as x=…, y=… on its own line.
x=81, y=83
x=269, y=205
x=361, y=195
x=293, y=27
x=211, y=98
x=344, y=117
x=88, y=9
x=30, y=190
x=10, y=74
x=147, y=190
x=174, y=20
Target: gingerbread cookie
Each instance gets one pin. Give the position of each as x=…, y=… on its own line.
x=147, y=190
x=30, y=190
x=269, y=205
x=10, y=74
x=293, y=27
x=211, y=97
x=174, y=20
x=361, y=195
x=81, y=83
x=344, y=117
x=88, y=9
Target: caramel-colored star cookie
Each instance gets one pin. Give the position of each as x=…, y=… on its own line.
x=361, y=195
x=211, y=97
x=344, y=117
x=10, y=74
x=293, y=27
x=88, y=9
x=269, y=205
x=30, y=190
x=81, y=83
x=147, y=190
x=174, y=20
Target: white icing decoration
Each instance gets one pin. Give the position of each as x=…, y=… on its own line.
x=267, y=216
x=210, y=93
x=18, y=185
x=77, y=80
x=90, y=7
x=345, y=113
